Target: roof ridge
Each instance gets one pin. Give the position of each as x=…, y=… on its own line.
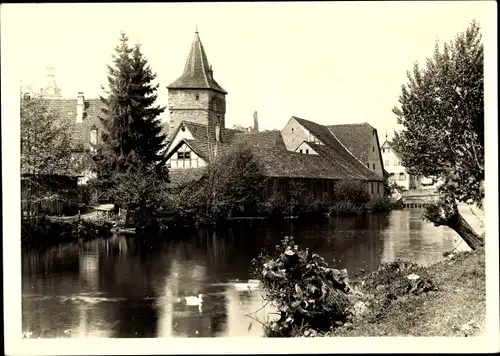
x=203, y=56
x=356, y=158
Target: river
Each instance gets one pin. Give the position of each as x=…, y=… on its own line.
x=121, y=287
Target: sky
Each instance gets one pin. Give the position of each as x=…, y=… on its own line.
x=332, y=63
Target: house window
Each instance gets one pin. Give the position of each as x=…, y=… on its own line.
x=307, y=151
x=401, y=176
x=368, y=165
x=292, y=128
x=391, y=174
x=300, y=151
x=183, y=129
x=187, y=155
x=180, y=155
x=386, y=162
x=372, y=186
x=396, y=163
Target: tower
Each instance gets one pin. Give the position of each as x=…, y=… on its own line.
x=196, y=96
x=50, y=90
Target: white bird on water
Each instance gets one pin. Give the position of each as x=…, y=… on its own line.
x=195, y=301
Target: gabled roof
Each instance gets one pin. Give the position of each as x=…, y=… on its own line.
x=391, y=146
x=356, y=138
x=332, y=162
x=197, y=72
x=202, y=133
x=336, y=152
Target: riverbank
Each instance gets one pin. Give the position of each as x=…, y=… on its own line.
x=455, y=305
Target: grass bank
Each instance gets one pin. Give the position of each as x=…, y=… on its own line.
x=454, y=305
x=399, y=299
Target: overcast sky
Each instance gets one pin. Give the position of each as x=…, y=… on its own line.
x=331, y=63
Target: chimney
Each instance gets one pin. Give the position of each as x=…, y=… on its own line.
x=217, y=131
x=255, y=122
x=80, y=105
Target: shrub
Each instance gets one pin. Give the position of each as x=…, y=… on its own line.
x=346, y=207
x=45, y=232
x=382, y=204
x=307, y=293
x=350, y=191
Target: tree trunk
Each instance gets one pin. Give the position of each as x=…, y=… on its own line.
x=445, y=212
x=462, y=228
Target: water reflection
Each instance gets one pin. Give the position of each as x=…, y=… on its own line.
x=131, y=287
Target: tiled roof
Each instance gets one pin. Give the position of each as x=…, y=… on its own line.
x=335, y=152
x=197, y=72
x=200, y=132
x=181, y=177
x=356, y=138
x=66, y=108
x=332, y=162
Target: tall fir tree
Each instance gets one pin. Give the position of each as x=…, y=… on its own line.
x=131, y=123
x=148, y=131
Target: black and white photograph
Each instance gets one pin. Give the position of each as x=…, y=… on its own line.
x=250, y=177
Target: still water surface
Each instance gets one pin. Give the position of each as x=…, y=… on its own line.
x=120, y=287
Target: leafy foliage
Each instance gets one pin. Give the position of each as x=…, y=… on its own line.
x=48, y=148
x=46, y=232
x=307, y=293
x=442, y=111
x=382, y=204
x=233, y=180
x=142, y=190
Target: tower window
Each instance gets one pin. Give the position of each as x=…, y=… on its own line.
x=373, y=149
x=197, y=96
x=374, y=166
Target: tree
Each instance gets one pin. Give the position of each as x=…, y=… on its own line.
x=47, y=149
x=142, y=190
x=130, y=119
x=442, y=113
x=234, y=179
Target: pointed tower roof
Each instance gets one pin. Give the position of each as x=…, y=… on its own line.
x=197, y=72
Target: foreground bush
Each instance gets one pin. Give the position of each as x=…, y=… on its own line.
x=310, y=296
